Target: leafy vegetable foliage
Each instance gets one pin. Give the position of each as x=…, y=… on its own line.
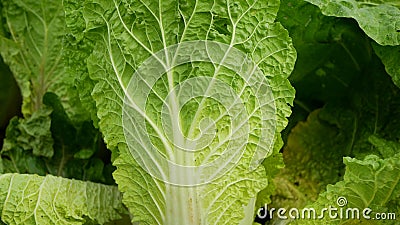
x=55, y=135
x=32, y=48
x=319, y=40
x=358, y=123
x=358, y=128
x=379, y=19
x=33, y=199
x=84, y=65
x=121, y=35
x=370, y=183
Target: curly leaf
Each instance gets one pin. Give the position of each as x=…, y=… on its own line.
x=31, y=134
x=371, y=182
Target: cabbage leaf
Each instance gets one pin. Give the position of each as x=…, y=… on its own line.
x=372, y=183
x=164, y=73
x=33, y=199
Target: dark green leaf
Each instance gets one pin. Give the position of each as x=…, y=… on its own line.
x=390, y=56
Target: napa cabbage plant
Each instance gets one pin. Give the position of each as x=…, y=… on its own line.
x=50, y=173
x=190, y=97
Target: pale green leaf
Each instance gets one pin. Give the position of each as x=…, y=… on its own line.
x=123, y=35
x=42, y=200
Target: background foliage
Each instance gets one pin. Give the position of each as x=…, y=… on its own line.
x=342, y=139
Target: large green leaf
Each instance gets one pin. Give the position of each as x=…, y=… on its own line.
x=127, y=37
x=372, y=183
x=33, y=199
x=380, y=19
